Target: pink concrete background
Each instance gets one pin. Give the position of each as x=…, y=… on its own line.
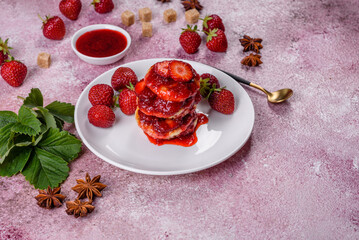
x=296, y=178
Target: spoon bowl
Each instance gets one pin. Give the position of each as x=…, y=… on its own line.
x=280, y=95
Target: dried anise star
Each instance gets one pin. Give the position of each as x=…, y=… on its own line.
x=89, y=188
x=78, y=208
x=252, y=60
x=50, y=198
x=190, y=4
x=163, y=1
x=251, y=44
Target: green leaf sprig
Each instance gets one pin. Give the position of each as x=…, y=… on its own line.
x=34, y=143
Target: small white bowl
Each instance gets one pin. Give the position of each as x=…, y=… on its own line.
x=100, y=60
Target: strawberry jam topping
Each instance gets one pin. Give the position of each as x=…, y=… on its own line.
x=170, y=90
x=167, y=99
x=150, y=104
x=187, y=138
x=162, y=126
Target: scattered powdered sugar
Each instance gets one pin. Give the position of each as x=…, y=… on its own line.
x=356, y=163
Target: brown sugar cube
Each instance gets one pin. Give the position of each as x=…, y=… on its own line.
x=169, y=15
x=44, y=60
x=147, y=29
x=145, y=14
x=128, y=18
x=192, y=16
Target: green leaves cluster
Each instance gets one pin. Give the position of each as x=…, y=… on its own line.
x=34, y=143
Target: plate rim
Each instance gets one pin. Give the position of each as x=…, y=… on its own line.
x=152, y=172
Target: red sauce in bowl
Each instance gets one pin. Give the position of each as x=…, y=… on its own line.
x=101, y=43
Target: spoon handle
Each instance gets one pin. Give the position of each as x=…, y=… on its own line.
x=241, y=80
x=238, y=79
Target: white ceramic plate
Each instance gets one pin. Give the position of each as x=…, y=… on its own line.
x=126, y=146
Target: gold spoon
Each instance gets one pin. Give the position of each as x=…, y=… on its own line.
x=273, y=97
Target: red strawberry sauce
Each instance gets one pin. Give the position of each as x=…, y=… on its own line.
x=185, y=141
x=101, y=43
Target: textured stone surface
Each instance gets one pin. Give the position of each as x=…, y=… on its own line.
x=296, y=178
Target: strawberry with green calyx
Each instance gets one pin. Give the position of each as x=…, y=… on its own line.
x=127, y=100
x=13, y=72
x=103, y=6
x=221, y=100
x=190, y=39
x=211, y=22
x=4, y=51
x=207, y=82
x=122, y=77
x=53, y=27
x=217, y=41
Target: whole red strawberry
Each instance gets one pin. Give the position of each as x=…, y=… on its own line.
x=127, y=100
x=53, y=28
x=101, y=94
x=211, y=22
x=222, y=100
x=101, y=116
x=70, y=8
x=217, y=41
x=208, y=81
x=4, y=51
x=103, y=6
x=14, y=72
x=122, y=77
x=190, y=39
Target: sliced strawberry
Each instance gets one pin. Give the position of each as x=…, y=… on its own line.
x=161, y=68
x=140, y=86
x=180, y=71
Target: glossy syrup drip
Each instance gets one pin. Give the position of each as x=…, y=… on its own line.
x=185, y=141
x=101, y=43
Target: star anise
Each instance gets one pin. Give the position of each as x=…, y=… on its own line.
x=190, y=4
x=50, y=198
x=163, y=1
x=252, y=60
x=251, y=44
x=89, y=188
x=78, y=208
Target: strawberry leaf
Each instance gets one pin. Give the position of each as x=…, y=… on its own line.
x=45, y=169
x=27, y=122
x=61, y=144
x=34, y=143
x=15, y=159
x=64, y=111
x=47, y=117
x=59, y=123
x=7, y=121
x=34, y=99
x=7, y=117
x=5, y=133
